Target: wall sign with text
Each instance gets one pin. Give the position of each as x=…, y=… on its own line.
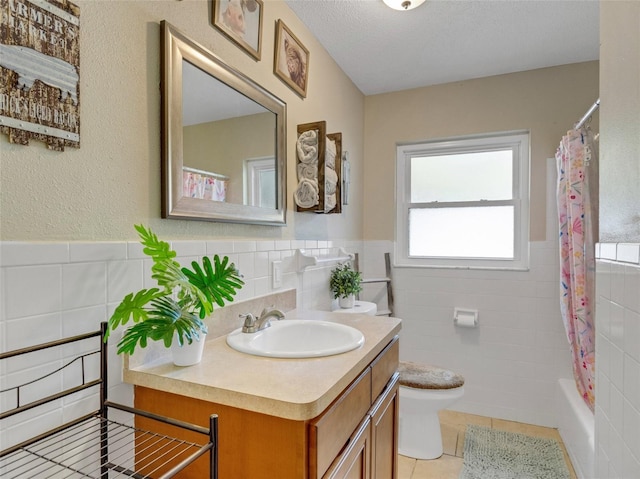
x=40, y=72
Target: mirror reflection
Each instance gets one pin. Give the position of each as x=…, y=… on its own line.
x=229, y=143
x=224, y=140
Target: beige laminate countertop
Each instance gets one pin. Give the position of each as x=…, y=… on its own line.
x=297, y=389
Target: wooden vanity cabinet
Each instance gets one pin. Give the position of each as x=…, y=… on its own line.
x=330, y=431
x=355, y=437
x=371, y=452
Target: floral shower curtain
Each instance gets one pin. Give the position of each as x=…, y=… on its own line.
x=577, y=177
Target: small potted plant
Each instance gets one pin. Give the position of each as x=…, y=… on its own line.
x=345, y=284
x=174, y=311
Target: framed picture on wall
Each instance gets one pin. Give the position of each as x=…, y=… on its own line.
x=291, y=62
x=241, y=22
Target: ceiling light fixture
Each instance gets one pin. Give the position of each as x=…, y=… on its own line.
x=403, y=4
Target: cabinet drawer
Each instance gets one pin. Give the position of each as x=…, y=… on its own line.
x=384, y=366
x=330, y=432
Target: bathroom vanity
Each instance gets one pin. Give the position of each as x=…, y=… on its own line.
x=328, y=417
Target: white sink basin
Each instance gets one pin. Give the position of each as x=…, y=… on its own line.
x=297, y=338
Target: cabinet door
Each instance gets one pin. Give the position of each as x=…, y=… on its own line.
x=384, y=432
x=355, y=461
x=330, y=432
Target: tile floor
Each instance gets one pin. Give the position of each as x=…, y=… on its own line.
x=453, y=425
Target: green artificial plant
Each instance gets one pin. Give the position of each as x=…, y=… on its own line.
x=183, y=299
x=345, y=281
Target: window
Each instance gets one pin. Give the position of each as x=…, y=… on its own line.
x=260, y=182
x=464, y=202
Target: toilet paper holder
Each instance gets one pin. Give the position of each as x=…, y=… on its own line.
x=465, y=318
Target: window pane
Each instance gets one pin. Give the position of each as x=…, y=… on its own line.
x=480, y=232
x=267, y=183
x=462, y=177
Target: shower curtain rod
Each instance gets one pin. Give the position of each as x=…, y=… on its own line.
x=589, y=112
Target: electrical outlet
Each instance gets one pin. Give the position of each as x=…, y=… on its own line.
x=276, y=274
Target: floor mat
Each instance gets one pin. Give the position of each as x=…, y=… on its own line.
x=494, y=454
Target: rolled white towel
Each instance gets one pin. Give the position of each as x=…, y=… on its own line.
x=330, y=181
x=308, y=170
x=330, y=202
x=307, y=146
x=307, y=194
x=330, y=154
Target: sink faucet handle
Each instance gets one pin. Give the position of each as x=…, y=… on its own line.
x=249, y=322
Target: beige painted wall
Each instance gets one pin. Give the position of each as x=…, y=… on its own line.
x=222, y=146
x=620, y=120
x=546, y=101
x=99, y=191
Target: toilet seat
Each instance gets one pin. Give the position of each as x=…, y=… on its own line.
x=422, y=376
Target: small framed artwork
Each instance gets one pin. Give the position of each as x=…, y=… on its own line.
x=291, y=62
x=241, y=22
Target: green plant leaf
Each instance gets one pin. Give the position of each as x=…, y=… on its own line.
x=140, y=333
x=218, y=282
x=164, y=319
x=168, y=274
x=157, y=249
x=165, y=270
x=132, y=307
x=345, y=281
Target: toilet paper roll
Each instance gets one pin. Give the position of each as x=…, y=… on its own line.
x=465, y=318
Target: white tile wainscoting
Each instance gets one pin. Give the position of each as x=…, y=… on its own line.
x=50, y=290
x=618, y=360
x=512, y=361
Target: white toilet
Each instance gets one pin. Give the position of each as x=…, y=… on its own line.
x=424, y=390
x=360, y=307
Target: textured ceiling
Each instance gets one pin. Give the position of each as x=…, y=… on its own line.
x=384, y=50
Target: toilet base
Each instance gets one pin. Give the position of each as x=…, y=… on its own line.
x=420, y=436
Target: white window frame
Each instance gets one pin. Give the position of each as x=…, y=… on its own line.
x=518, y=142
x=252, y=179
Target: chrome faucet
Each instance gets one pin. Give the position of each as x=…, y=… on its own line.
x=253, y=324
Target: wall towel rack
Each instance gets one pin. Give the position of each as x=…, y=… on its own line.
x=306, y=259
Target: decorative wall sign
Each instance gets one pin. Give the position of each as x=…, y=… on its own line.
x=40, y=72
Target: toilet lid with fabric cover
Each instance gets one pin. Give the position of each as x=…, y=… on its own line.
x=422, y=376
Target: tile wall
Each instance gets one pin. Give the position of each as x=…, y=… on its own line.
x=511, y=362
x=618, y=361
x=54, y=290
x=514, y=358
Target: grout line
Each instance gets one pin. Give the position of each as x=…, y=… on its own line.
x=455, y=449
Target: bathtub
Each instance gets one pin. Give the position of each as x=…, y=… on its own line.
x=576, y=425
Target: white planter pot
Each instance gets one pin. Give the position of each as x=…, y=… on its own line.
x=348, y=302
x=187, y=354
